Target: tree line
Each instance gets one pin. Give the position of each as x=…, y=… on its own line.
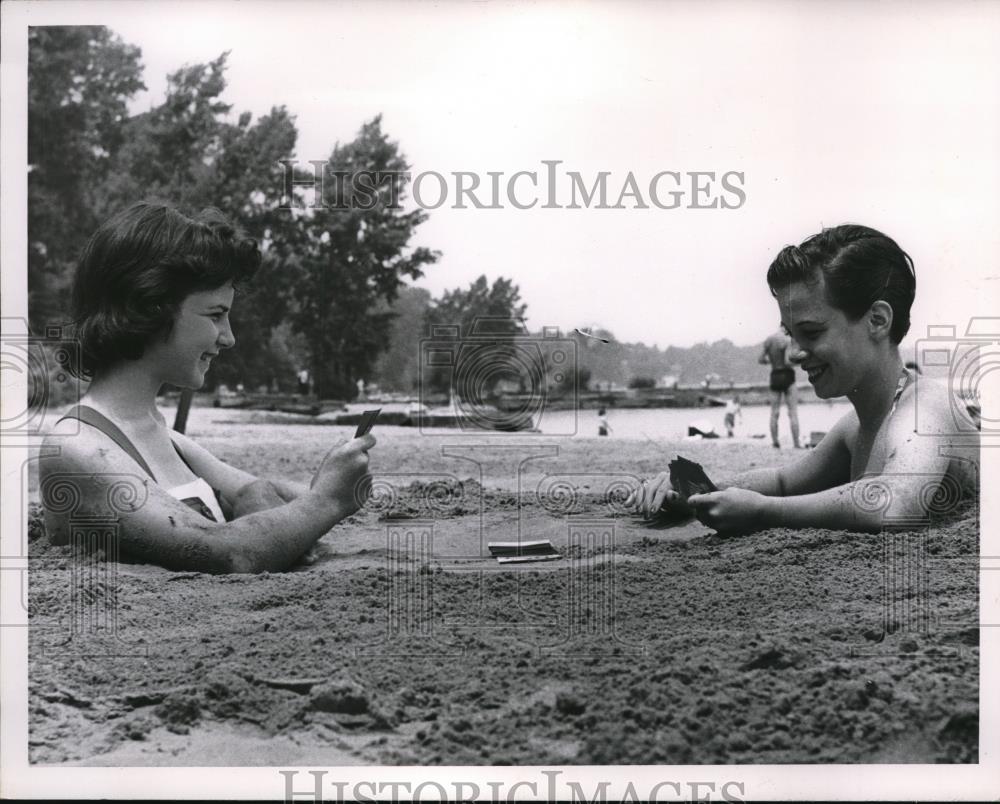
x=333, y=293
x=324, y=296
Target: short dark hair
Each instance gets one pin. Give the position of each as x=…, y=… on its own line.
x=137, y=269
x=858, y=265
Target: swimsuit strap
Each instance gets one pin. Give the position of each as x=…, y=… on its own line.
x=94, y=418
x=904, y=378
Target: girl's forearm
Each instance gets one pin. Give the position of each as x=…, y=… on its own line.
x=262, y=495
x=288, y=491
x=763, y=481
x=273, y=539
x=836, y=508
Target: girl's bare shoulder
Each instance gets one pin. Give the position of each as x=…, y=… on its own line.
x=75, y=445
x=847, y=428
x=933, y=405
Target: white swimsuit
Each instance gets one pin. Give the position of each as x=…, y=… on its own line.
x=198, y=489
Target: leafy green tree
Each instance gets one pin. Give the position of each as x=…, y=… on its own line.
x=331, y=273
x=186, y=151
x=642, y=382
x=575, y=379
x=355, y=254
x=497, y=308
x=80, y=79
x=487, y=317
x=397, y=368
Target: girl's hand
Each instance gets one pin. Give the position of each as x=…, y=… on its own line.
x=343, y=475
x=657, y=497
x=732, y=510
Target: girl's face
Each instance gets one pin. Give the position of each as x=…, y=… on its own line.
x=835, y=352
x=201, y=330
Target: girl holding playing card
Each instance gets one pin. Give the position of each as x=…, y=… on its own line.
x=844, y=296
x=151, y=297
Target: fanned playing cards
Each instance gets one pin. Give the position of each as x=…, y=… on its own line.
x=687, y=478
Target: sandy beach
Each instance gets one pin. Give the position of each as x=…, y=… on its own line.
x=404, y=642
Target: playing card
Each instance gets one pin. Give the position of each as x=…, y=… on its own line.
x=367, y=422
x=523, y=552
x=687, y=478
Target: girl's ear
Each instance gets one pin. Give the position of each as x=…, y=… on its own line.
x=880, y=319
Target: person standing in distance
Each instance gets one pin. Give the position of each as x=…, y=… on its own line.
x=603, y=427
x=782, y=383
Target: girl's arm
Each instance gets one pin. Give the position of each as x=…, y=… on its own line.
x=826, y=466
x=871, y=504
x=244, y=491
x=262, y=495
x=86, y=478
x=907, y=480
x=853, y=506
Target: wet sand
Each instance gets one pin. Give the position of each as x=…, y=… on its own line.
x=405, y=643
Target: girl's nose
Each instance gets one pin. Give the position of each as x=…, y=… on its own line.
x=796, y=354
x=226, y=337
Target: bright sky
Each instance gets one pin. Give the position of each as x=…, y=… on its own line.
x=886, y=114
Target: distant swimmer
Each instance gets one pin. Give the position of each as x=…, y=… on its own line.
x=782, y=384
x=603, y=427
x=733, y=409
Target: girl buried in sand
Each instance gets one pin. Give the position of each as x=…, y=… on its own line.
x=151, y=298
x=844, y=297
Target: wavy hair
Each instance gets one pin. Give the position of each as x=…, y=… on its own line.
x=858, y=266
x=138, y=268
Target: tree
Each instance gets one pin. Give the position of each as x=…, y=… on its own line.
x=487, y=318
x=185, y=151
x=498, y=305
x=355, y=255
x=331, y=273
x=642, y=382
x=576, y=379
x=80, y=79
x=397, y=368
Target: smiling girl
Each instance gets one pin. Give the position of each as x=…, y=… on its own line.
x=844, y=296
x=151, y=299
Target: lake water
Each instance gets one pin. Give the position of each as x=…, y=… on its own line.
x=672, y=423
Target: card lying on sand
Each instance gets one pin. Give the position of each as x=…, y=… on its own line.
x=367, y=422
x=521, y=552
x=687, y=478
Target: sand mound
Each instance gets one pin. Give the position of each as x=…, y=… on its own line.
x=651, y=648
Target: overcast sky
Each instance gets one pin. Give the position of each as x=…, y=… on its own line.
x=885, y=115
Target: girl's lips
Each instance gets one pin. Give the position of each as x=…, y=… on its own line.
x=815, y=372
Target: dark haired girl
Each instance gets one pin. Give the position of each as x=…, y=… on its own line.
x=152, y=297
x=844, y=297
